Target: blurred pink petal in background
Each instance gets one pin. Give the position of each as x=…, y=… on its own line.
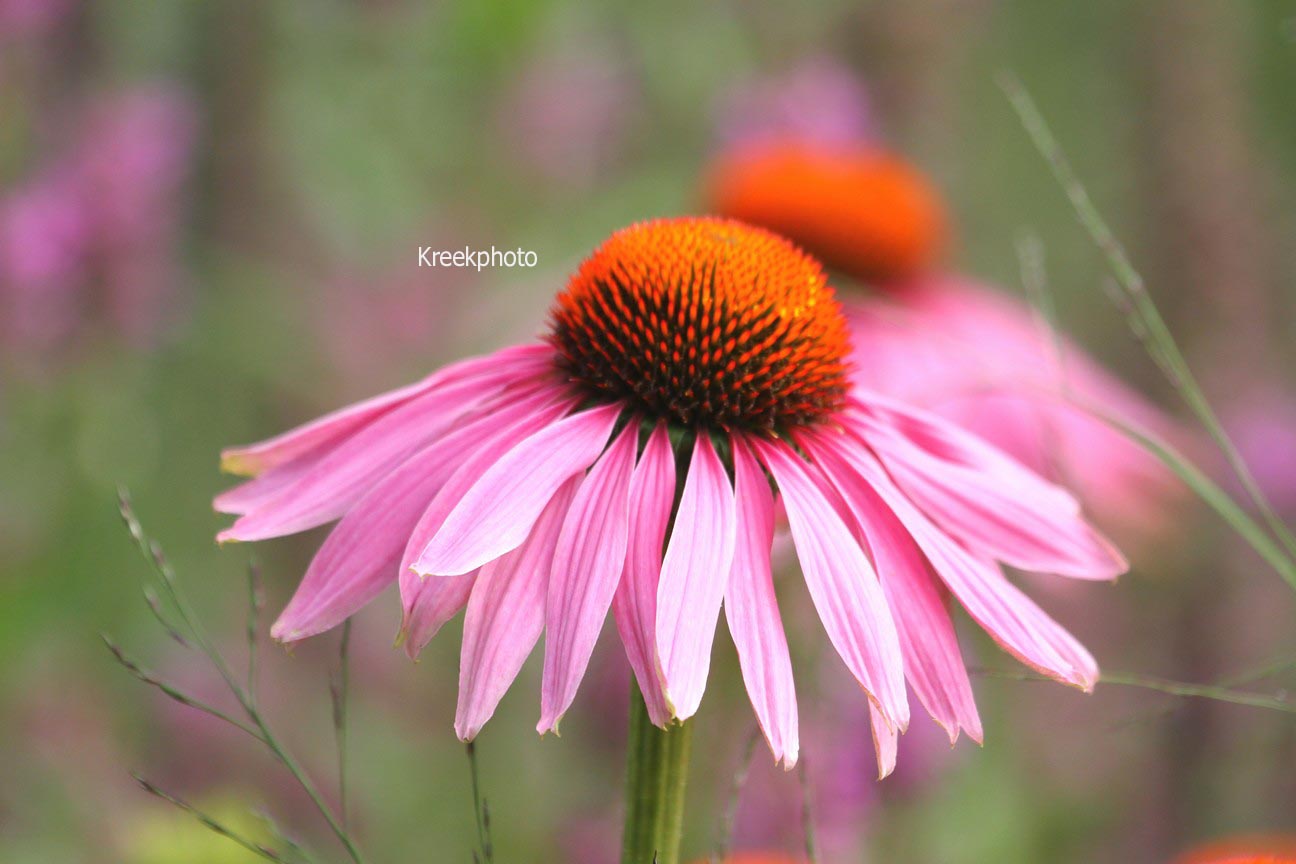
x=819, y=100
x=1262, y=424
x=989, y=363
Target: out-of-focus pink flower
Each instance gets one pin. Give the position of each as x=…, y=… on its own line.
x=43, y=236
x=1263, y=426
x=989, y=363
x=818, y=101
x=30, y=18
x=513, y=484
x=133, y=157
x=592, y=840
x=840, y=765
x=93, y=236
x=569, y=115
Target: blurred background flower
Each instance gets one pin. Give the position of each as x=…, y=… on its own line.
x=88, y=243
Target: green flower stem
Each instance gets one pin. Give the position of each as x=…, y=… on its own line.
x=657, y=773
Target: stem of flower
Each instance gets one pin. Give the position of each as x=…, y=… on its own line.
x=657, y=772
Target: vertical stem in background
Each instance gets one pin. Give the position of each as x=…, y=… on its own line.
x=656, y=775
x=340, y=689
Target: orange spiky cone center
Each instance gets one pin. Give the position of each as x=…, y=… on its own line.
x=705, y=322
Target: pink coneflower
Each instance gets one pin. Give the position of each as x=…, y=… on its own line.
x=625, y=462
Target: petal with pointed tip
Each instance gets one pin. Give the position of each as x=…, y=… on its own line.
x=751, y=609
x=505, y=617
x=587, y=566
x=842, y=584
x=634, y=606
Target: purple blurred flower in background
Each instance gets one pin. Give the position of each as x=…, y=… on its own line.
x=1262, y=424
x=30, y=18
x=133, y=156
x=43, y=236
x=90, y=238
x=841, y=768
x=819, y=100
x=568, y=116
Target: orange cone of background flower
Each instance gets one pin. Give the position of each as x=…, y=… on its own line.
x=1258, y=849
x=975, y=356
x=859, y=209
x=689, y=362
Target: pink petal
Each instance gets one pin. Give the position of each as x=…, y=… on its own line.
x=429, y=606
x=885, y=741
x=253, y=459
x=587, y=566
x=257, y=492
x=1008, y=615
x=933, y=663
x=693, y=576
x=470, y=452
x=634, y=606
x=344, y=474
x=497, y=513
x=842, y=584
x=980, y=495
x=752, y=611
x=360, y=556
x=505, y=617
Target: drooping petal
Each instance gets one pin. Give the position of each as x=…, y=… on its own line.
x=996, y=506
x=587, y=565
x=345, y=473
x=634, y=606
x=1008, y=615
x=694, y=571
x=262, y=490
x=497, y=513
x=360, y=556
x=253, y=459
x=257, y=492
x=751, y=610
x=933, y=663
x=842, y=584
x=505, y=617
x=427, y=605
x=885, y=741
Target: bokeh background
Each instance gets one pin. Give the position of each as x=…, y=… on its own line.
x=209, y=217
